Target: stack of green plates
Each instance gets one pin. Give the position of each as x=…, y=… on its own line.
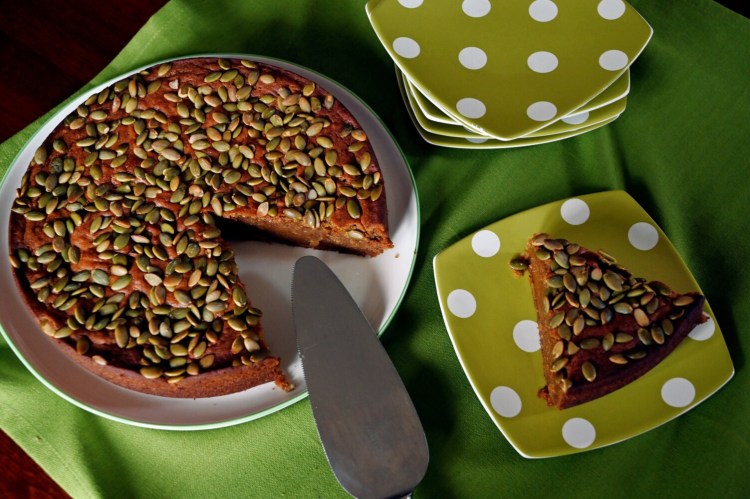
x=496, y=74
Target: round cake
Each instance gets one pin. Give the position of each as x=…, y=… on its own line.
x=116, y=232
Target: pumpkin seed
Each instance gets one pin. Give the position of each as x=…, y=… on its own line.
x=100, y=277
x=618, y=358
x=590, y=343
x=552, y=244
x=121, y=336
x=558, y=364
x=82, y=345
x=636, y=354
x=557, y=320
x=596, y=274
x=640, y=317
x=644, y=336
x=98, y=115
x=152, y=372
x=555, y=282
x=561, y=258
x=99, y=360
x=232, y=176
x=623, y=308
x=564, y=332
x=613, y=281
x=569, y=283
x=355, y=234
x=667, y=326
x=662, y=288
x=206, y=361
x=657, y=334
x=122, y=282
x=356, y=134
x=239, y=297
x=251, y=345
x=683, y=301
x=578, y=325
x=576, y=260
x=558, y=349
x=589, y=371
x=63, y=332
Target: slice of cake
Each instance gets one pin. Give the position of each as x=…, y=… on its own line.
x=600, y=327
x=115, y=234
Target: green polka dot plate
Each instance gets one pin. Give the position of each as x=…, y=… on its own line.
x=507, y=69
x=490, y=318
x=573, y=123
x=470, y=140
x=601, y=107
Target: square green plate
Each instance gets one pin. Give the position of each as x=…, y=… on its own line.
x=568, y=124
x=478, y=142
x=508, y=69
x=491, y=321
x=615, y=92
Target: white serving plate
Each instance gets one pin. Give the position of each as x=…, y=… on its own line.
x=377, y=284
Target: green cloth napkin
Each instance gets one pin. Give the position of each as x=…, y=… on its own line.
x=681, y=149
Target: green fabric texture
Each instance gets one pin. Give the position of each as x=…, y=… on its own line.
x=681, y=149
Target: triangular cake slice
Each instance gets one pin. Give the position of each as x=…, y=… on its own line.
x=600, y=327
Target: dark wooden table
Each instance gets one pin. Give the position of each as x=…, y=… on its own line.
x=48, y=50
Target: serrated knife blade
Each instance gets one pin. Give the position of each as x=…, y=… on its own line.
x=367, y=423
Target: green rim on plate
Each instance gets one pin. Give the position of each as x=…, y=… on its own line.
x=96, y=395
x=490, y=318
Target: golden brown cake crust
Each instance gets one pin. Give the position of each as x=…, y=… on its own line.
x=600, y=328
x=113, y=234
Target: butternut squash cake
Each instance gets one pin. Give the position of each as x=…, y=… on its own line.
x=114, y=237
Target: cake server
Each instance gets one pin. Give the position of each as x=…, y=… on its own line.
x=367, y=423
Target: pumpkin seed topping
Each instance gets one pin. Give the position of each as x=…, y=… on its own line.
x=584, y=291
x=164, y=283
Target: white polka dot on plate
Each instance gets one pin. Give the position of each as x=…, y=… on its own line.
x=526, y=336
x=472, y=58
x=543, y=10
x=577, y=119
x=611, y=9
x=476, y=140
x=461, y=303
x=575, y=211
x=643, y=236
x=485, y=243
x=542, y=62
x=578, y=433
x=613, y=60
x=471, y=108
x=678, y=392
x=505, y=401
x=704, y=331
x=476, y=8
x=406, y=47
x=410, y=4
x=541, y=111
